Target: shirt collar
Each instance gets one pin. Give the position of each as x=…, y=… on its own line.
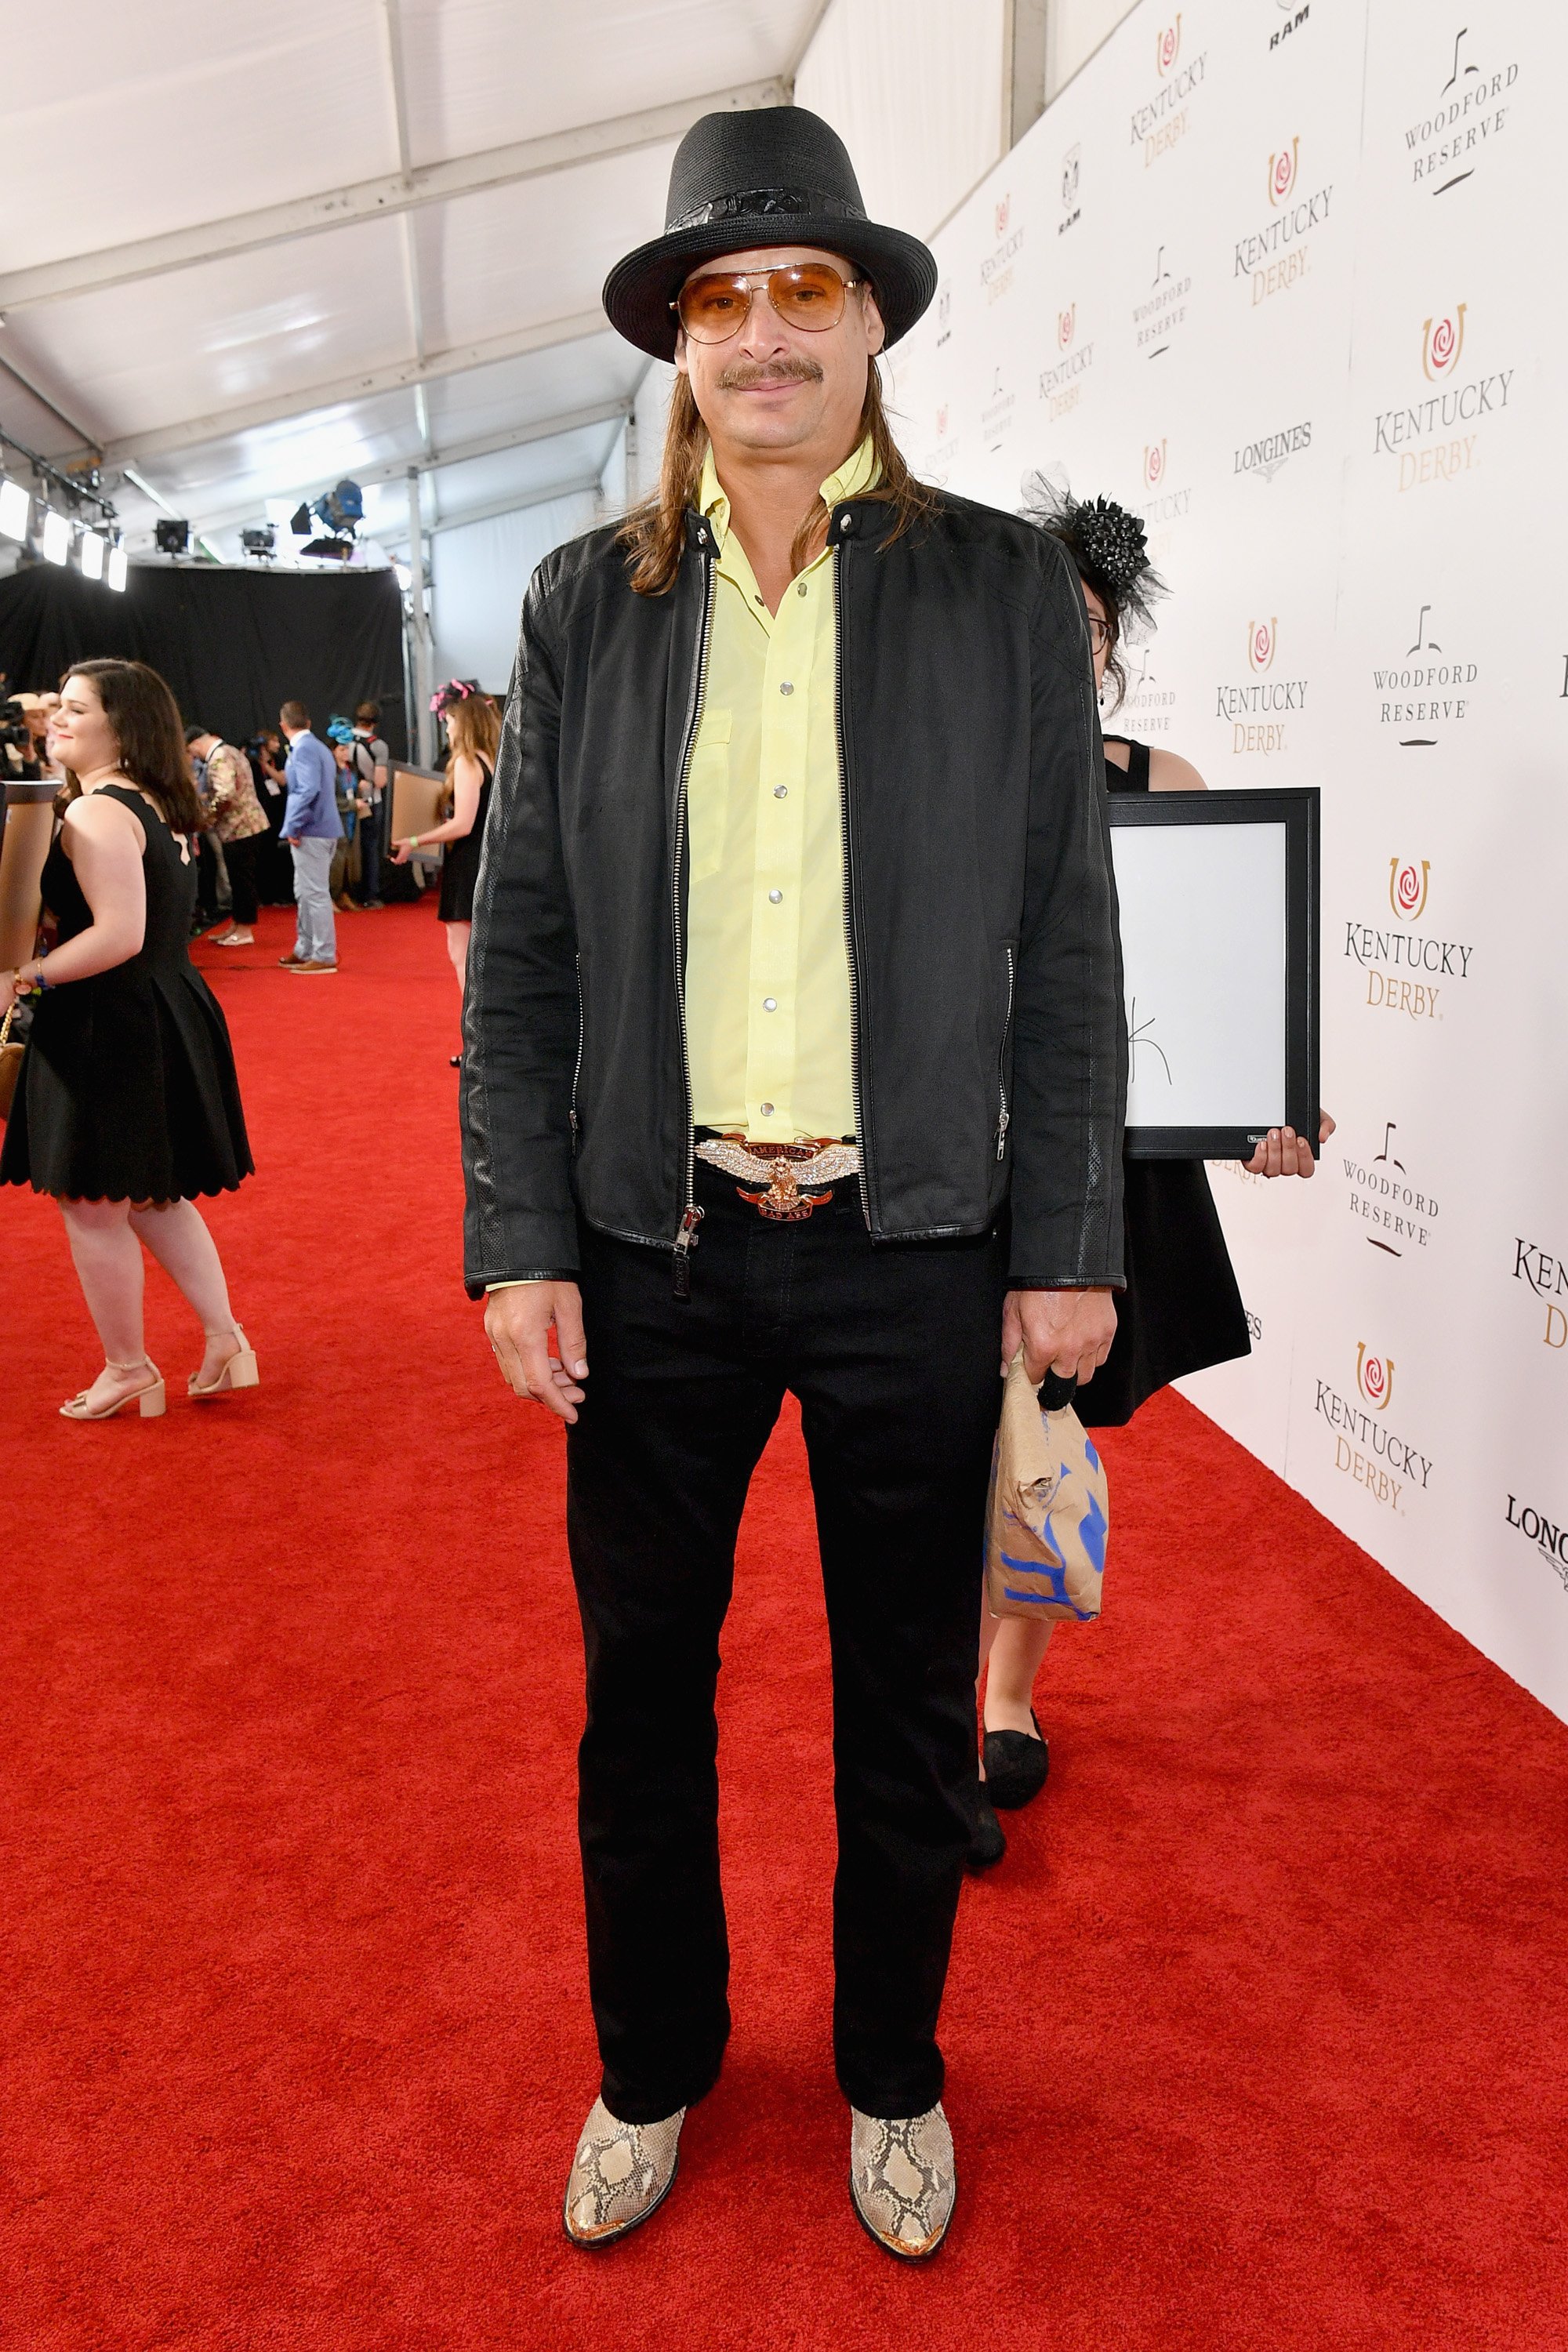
x=859, y=472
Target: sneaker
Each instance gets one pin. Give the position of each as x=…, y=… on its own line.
x=305, y=963
x=620, y=2174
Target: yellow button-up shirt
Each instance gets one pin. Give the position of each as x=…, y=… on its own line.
x=767, y=975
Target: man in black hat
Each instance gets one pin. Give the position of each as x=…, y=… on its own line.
x=794, y=1060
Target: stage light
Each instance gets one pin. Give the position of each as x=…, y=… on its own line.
x=300, y=522
x=57, y=536
x=91, y=555
x=260, y=542
x=15, y=507
x=117, y=568
x=172, y=538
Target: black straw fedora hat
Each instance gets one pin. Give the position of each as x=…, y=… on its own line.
x=760, y=176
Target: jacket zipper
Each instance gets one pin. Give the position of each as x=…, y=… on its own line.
x=840, y=559
x=582, y=1032
x=1004, y=1119
x=691, y=1215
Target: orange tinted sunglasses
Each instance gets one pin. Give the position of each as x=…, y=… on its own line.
x=808, y=294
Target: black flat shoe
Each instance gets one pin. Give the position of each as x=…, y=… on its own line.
x=1016, y=1766
x=988, y=1844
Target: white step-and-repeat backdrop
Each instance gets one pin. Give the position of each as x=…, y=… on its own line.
x=1289, y=280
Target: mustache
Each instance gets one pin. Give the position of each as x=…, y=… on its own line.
x=742, y=374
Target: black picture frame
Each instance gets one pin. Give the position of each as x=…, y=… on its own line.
x=1296, y=809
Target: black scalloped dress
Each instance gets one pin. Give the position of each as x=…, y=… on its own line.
x=1181, y=1310
x=127, y=1090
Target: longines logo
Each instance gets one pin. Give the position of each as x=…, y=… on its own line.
x=1422, y=438
x=1263, y=458
x=996, y=416
x=1295, y=17
x=1275, y=254
x=1550, y=1537
x=1388, y=957
x=1547, y=1276
x=1466, y=123
x=1060, y=386
x=1071, y=206
x=1383, y=1195
x=1157, y=126
x=1156, y=319
x=1257, y=710
x=997, y=270
x=1366, y=1448
x=1434, y=679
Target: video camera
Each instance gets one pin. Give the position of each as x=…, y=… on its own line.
x=19, y=752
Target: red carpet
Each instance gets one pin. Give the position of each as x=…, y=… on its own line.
x=1256, y=2038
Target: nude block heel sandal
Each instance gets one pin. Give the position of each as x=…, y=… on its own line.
x=239, y=1372
x=149, y=1402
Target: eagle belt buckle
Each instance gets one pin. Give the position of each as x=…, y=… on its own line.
x=782, y=1169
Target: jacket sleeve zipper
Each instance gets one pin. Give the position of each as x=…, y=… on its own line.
x=840, y=561
x=691, y=1215
x=582, y=1033
x=1004, y=1119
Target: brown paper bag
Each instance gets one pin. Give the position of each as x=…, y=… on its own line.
x=1049, y=1510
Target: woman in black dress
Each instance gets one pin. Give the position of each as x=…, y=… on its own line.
x=1181, y=1310
x=473, y=736
x=126, y=1104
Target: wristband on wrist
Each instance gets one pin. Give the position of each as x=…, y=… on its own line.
x=414, y=841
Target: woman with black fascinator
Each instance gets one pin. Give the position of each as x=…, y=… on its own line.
x=1181, y=1310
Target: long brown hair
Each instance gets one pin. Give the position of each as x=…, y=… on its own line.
x=654, y=533
x=473, y=727
x=150, y=736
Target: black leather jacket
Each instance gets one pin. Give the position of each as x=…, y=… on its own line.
x=990, y=1052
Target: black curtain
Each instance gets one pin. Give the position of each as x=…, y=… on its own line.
x=234, y=646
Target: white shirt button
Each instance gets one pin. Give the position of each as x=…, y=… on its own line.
x=767, y=1109
x=770, y=1004
x=775, y=897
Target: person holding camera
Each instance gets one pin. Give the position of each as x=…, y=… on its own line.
x=373, y=767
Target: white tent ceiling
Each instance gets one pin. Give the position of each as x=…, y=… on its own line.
x=246, y=251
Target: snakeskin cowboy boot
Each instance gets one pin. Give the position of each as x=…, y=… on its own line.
x=903, y=2180
x=620, y=2174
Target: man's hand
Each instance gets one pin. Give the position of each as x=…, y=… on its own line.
x=1283, y=1152
x=1067, y=1331
x=293, y=839
x=518, y=1323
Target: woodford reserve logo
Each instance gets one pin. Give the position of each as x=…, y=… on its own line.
x=996, y=416
x=1425, y=438
x=1164, y=119
x=1427, y=689
x=1550, y=1537
x=1258, y=707
x=1390, y=955
x=1366, y=1448
x=1071, y=208
x=1382, y=1194
x=1061, y=384
x=1275, y=254
x=1163, y=310
x=1547, y=1276
x=997, y=270
x=1464, y=126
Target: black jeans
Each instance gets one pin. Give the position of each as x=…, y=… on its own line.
x=239, y=857
x=893, y=1351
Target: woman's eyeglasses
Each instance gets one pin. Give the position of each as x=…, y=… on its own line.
x=808, y=294
x=1098, y=633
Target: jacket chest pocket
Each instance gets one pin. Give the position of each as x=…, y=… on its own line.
x=707, y=795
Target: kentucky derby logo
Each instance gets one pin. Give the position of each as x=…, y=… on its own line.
x=1442, y=341
x=1069, y=178
x=941, y=422
x=1262, y=637
x=1167, y=46
x=1067, y=321
x=1282, y=173
x=1373, y=1376
x=1407, y=886
x=1154, y=464
x=1000, y=215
